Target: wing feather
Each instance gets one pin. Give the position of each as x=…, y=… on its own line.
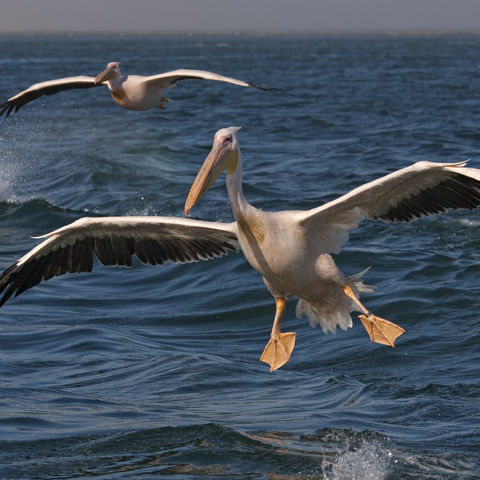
x=169, y=79
x=421, y=189
x=115, y=240
x=46, y=88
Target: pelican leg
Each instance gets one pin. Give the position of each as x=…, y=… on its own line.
x=379, y=330
x=161, y=105
x=280, y=346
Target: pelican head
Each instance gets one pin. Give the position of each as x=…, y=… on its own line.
x=111, y=71
x=223, y=156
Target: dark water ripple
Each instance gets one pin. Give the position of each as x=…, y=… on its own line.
x=153, y=372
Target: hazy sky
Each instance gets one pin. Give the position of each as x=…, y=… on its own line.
x=238, y=15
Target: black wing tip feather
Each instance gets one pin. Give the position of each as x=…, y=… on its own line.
x=6, y=107
x=111, y=251
x=10, y=105
x=7, y=282
x=250, y=84
x=16, y=279
x=13, y=106
x=281, y=91
x=458, y=191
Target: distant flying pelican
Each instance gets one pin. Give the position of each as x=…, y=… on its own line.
x=133, y=92
x=290, y=249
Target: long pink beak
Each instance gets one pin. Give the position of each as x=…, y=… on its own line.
x=208, y=173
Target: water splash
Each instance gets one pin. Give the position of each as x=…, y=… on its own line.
x=368, y=461
x=11, y=170
x=18, y=166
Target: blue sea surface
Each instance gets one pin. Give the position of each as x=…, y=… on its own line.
x=154, y=372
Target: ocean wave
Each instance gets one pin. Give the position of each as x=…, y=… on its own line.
x=215, y=451
x=34, y=204
x=155, y=372
x=35, y=216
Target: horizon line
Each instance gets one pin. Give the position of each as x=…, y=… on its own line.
x=246, y=32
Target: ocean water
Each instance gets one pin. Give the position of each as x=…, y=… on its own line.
x=153, y=372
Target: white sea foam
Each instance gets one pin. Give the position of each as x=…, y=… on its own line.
x=465, y=222
x=369, y=461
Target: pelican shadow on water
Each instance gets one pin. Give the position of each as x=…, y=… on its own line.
x=291, y=249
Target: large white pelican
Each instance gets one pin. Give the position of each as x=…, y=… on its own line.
x=133, y=92
x=290, y=249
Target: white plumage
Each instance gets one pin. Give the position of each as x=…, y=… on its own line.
x=291, y=250
x=133, y=92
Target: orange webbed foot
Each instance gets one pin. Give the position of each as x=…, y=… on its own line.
x=381, y=330
x=278, y=350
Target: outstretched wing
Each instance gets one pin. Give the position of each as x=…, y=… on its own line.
x=169, y=79
x=46, y=88
x=420, y=189
x=114, y=240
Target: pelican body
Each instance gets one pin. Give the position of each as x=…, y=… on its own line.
x=291, y=250
x=132, y=92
